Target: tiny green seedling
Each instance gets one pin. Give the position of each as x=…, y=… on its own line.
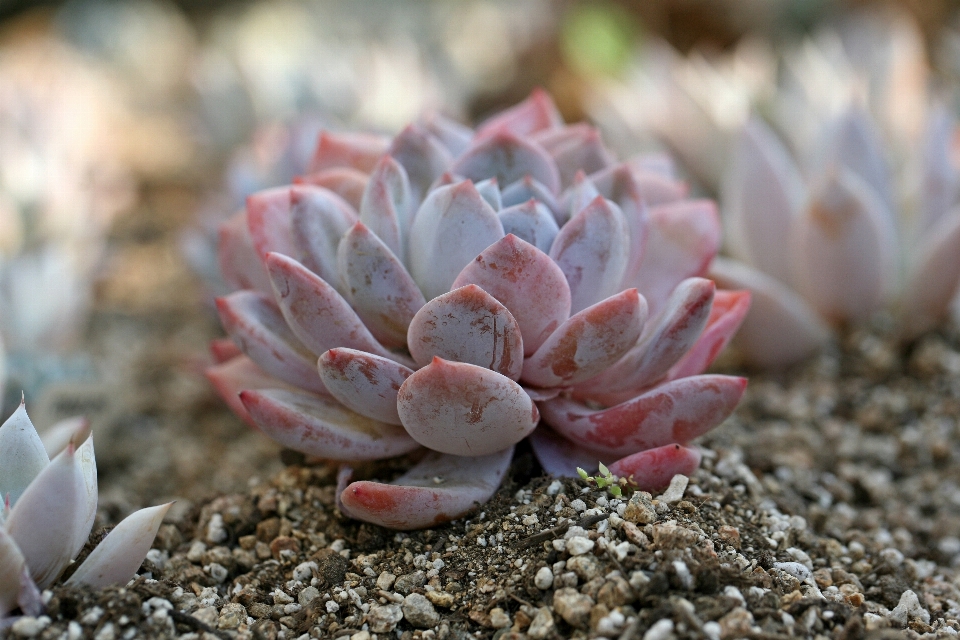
x=606, y=480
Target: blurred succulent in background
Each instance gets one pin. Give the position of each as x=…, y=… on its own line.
x=49, y=509
x=458, y=286
x=863, y=219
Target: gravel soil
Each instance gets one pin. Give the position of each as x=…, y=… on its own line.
x=828, y=506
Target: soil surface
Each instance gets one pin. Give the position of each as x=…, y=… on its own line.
x=828, y=506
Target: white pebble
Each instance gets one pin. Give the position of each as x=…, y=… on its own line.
x=544, y=578
x=674, y=493
x=579, y=546
x=796, y=569
x=661, y=630
x=578, y=505
x=554, y=488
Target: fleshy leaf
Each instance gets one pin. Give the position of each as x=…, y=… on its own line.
x=379, y=288
x=223, y=349
x=529, y=189
x=357, y=150
x=619, y=185
x=87, y=507
x=423, y=156
x=935, y=279
x=315, y=312
x=536, y=113
x=463, y=409
x=674, y=412
x=347, y=183
x=269, y=222
x=22, y=455
x=527, y=282
x=489, y=190
x=561, y=457
x=467, y=325
x=259, y=329
x=508, y=158
x=236, y=375
x=454, y=136
x=532, y=222
x=363, y=382
x=56, y=438
x=117, y=558
x=844, y=230
x=653, y=469
x=322, y=427
x=941, y=178
x=239, y=263
x=44, y=521
x=588, y=342
x=592, y=250
x=726, y=315
x=453, y=225
x=854, y=143
x=575, y=148
x=11, y=566
x=438, y=489
x=780, y=328
x=387, y=205
x=318, y=219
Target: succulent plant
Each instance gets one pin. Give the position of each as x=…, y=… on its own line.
x=464, y=290
x=49, y=509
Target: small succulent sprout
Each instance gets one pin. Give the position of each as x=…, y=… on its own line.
x=605, y=480
x=49, y=510
x=488, y=287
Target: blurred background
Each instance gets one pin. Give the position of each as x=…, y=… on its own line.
x=130, y=128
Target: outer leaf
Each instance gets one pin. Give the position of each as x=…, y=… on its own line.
x=593, y=250
x=527, y=282
x=322, y=427
x=845, y=230
x=854, y=143
x=117, y=558
x=56, y=438
x=22, y=455
x=454, y=136
x=532, y=222
x=365, y=383
x=387, y=205
x=453, y=225
x=357, y=150
x=780, y=328
x=762, y=196
x=575, y=148
x=489, y=190
x=347, y=183
x=318, y=219
x=561, y=457
x=677, y=411
x=259, y=329
x=463, y=409
x=269, y=222
x=467, y=325
x=935, y=279
x=620, y=185
x=87, y=507
x=315, y=312
x=508, y=158
x=43, y=523
x=684, y=239
x=726, y=315
x=239, y=263
x=653, y=469
x=236, y=375
x=11, y=566
x=941, y=179
x=536, y=113
x=379, y=288
x=529, y=189
x=577, y=197
x=422, y=155
x=588, y=342
x=223, y=349
x=438, y=489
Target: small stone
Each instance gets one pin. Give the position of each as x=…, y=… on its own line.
x=207, y=615
x=542, y=625
x=385, y=580
x=410, y=581
x=579, y=546
x=283, y=543
x=281, y=597
x=634, y=535
x=361, y=635
x=573, y=607
x=660, y=630
x=216, y=531
x=615, y=592
x=304, y=571
x=231, y=616
x=499, y=618
x=736, y=624
x=107, y=632
x=28, y=626
x=544, y=578
x=196, y=551
x=909, y=609
x=585, y=566
x=578, y=505
x=384, y=618
x=729, y=535
x=308, y=595
x=268, y=529
x=440, y=598
x=674, y=493
x=419, y=612
x=332, y=607
x=640, y=509
x=331, y=566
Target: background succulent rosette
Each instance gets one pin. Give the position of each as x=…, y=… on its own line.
x=464, y=290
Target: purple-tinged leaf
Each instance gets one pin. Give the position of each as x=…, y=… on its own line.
x=454, y=136
x=22, y=455
x=467, y=325
x=588, y=342
x=489, y=190
x=463, y=409
x=684, y=239
x=935, y=278
x=675, y=412
x=269, y=222
x=780, y=327
x=532, y=222
x=660, y=164
x=316, y=314
x=223, y=349
x=762, y=196
x=508, y=158
x=238, y=259
x=526, y=189
x=663, y=344
x=726, y=315
x=30, y=599
x=438, y=489
x=536, y=113
x=356, y=150
x=537, y=394
x=453, y=225
x=363, y=382
x=574, y=148
x=116, y=559
x=577, y=197
x=318, y=219
x=387, y=206
x=422, y=155
x=379, y=288
x=256, y=325
x=653, y=469
x=527, y=282
x=941, y=176
x=87, y=506
x=240, y=374
x=619, y=185
x=592, y=250
x=853, y=143
x=561, y=457
x=844, y=230
x=347, y=183
x=322, y=427
x=11, y=566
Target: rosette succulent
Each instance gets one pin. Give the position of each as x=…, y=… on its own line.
x=48, y=511
x=449, y=292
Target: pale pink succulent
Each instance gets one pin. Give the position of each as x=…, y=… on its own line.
x=461, y=288
x=48, y=511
